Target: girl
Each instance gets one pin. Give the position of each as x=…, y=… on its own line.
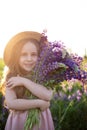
x=20, y=56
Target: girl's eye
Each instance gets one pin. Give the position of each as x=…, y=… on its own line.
x=34, y=54
x=23, y=54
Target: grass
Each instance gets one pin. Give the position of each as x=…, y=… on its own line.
x=1, y=67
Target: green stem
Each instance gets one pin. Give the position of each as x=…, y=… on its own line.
x=62, y=118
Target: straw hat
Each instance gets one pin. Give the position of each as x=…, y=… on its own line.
x=20, y=36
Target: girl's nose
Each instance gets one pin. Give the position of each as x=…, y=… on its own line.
x=29, y=58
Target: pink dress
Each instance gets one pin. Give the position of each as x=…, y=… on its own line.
x=16, y=121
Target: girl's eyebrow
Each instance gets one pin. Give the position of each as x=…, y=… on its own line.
x=24, y=52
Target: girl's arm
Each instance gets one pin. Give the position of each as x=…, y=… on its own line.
x=36, y=89
x=23, y=104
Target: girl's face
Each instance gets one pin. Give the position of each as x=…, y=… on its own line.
x=28, y=57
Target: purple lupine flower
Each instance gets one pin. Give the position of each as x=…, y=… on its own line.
x=55, y=63
x=78, y=98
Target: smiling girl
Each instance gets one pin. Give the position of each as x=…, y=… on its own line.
x=20, y=56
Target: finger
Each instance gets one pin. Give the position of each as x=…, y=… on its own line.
x=9, y=84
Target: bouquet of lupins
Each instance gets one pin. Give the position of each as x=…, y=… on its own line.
x=54, y=65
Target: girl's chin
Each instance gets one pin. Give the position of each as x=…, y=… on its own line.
x=26, y=71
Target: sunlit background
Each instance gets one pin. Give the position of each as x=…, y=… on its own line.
x=65, y=20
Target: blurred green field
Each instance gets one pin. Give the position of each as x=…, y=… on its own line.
x=1, y=67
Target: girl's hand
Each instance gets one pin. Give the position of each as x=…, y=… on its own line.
x=14, y=81
x=44, y=105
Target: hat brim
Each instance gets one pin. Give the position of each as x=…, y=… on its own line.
x=18, y=37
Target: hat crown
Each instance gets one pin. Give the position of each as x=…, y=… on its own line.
x=15, y=39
